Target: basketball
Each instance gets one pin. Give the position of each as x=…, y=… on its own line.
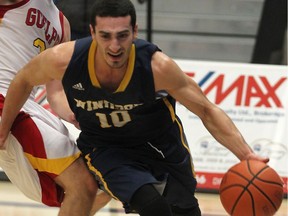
x=251, y=188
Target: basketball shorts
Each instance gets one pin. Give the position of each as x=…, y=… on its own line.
x=38, y=149
x=164, y=162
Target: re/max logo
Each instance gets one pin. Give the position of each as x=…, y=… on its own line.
x=246, y=88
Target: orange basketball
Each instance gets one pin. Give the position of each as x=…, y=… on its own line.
x=251, y=188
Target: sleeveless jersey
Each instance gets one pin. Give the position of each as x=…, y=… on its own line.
x=132, y=114
x=41, y=28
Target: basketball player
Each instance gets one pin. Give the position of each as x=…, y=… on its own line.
x=123, y=91
x=39, y=156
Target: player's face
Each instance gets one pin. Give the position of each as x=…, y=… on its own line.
x=114, y=37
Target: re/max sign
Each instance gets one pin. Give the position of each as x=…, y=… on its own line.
x=256, y=91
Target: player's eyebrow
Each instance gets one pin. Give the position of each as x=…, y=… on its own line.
x=107, y=32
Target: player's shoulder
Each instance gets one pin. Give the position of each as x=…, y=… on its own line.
x=65, y=48
x=161, y=61
x=59, y=55
x=143, y=44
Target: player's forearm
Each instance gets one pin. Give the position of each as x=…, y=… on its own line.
x=225, y=132
x=63, y=110
x=60, y=106
x=57, y=100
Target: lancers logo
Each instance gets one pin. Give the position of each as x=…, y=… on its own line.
x=78, y=86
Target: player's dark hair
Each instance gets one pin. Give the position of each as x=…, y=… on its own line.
x=113, y=8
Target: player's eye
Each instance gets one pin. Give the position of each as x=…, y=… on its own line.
x=105, y=36
x=123, y=36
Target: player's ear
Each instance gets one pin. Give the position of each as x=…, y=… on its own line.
x=135, y=31
x=92, y=31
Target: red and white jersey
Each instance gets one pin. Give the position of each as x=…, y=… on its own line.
x=26, y=29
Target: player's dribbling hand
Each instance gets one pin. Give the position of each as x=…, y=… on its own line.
x=253, y=156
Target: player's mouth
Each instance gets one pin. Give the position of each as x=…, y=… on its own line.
x=115, y=56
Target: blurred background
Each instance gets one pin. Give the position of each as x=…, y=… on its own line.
x=246, y=31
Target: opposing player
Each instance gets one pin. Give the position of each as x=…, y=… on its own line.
x=39, y=156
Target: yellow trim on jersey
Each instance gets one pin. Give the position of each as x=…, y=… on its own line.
x=173, y=115
x=91, y=64
x=92, y=168
x=129, y=72
x=170, y=107
x=185, y=145
x=51, y=165
x=182, y=136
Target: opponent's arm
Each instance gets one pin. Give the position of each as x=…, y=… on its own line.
x=48, y=65
x=168, y=76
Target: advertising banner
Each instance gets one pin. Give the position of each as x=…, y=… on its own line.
x=255, y=97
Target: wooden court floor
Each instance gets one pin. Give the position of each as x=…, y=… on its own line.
x=13, y=203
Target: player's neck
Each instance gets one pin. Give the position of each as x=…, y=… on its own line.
x=110, y=78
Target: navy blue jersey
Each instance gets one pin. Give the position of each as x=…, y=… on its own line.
x=132, y=114
x=130, y=137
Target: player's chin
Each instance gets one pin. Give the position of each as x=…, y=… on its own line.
x=116, y=64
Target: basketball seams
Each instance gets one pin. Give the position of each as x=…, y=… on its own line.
x=239, y=198
x=250, y=184
x=269, y=182
x=239, y=174
x=259, y=178
x=267, y=197
x=241, y=194
x=256, y=176
x=250, y=170
x=245, y=189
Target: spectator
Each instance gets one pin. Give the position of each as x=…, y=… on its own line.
x=80, y=23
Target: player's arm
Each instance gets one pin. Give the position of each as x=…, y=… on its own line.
x=169, y=77
x=55, y=92
x=59, y=103
x=48, y=65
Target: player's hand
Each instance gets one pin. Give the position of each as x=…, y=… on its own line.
x=253, y=156
x=73, y=121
